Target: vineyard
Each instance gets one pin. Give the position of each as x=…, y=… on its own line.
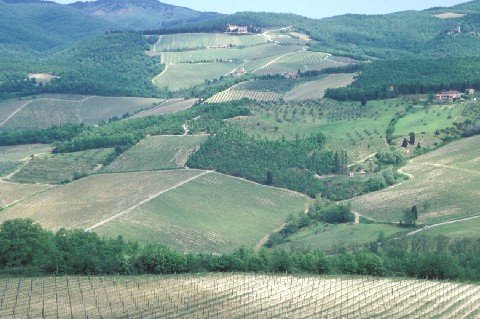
x=273, y=89
x=12, y=156
x=177, y=77
x=316, y=89
x=13, y=192
x=213, y=213
x=169, y=106
x=61, y=168
x=46, y=112
x=88, y=201
x=236, y=296
x=157, y=152
x=8, y=108
x=443, y=186
x=194, y=41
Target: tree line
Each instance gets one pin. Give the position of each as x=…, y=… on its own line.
x=26, y=248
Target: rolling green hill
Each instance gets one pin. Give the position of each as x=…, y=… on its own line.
x=141, y=14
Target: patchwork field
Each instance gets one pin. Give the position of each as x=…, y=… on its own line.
x=348, y=126
x=48, y=111
x=329, y=237
x=444, y=186
x=192, y=41
x=88, y=201
x=157, y=153
x=12, y=156
x=61, y=168
x=214, y=213
x=236, y=296
x=169, y=106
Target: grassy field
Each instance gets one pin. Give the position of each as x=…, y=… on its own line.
x=348, y=126
x=329, y=237
x=192, y=41
x=465, y=229
x=214, y=213
x=169, y=106
x=177, y=77
x=11, y=193
x=48, y=111
x=157, y=153
x=61, y=168
x=316, y=89
x=12, y=156
x=236, y=296
x=88, y=201
x=444, y=186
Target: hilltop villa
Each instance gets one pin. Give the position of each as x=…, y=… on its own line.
x=236, y=29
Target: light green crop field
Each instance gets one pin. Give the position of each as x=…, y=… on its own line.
x=226, y=54
x=234, y=95
x=464, y=229
x=61, y=168
x=214, y=213
x=96, y=198
x=11, y=193
x=316, y=89
x=303, y=61
x=236, y=296
x=192, y=41
x=157, y=153
x=12, y=156
x=48, y=111
x=169, y=106
x=430, y=119
x=444, y=186
x=328, y=237
x=348, y=126
x=177, y=77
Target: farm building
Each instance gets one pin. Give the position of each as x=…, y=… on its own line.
x=448, y=96
x=236, y=29
x=470, y=91
x=290, y=75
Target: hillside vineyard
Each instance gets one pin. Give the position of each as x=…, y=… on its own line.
x=159, y=161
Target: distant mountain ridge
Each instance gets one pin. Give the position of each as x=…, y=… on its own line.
x=141, y=14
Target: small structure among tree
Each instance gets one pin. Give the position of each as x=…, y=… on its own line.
x=236, y=29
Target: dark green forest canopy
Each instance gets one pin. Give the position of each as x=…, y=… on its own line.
x=411, y=76
x=113, y=64
x=27, y=248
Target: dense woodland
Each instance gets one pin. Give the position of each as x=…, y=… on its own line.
x=389, y=78
x=288, y=164
x=26, y=248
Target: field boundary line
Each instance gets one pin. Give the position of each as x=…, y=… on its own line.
x=158, y=75
x=128, y=210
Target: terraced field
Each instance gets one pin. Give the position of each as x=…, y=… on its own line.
x=169, y=106
x=444, y=186
x=91, y=200
x=236, y=296
x=157, y=153
x=214, y=213
x=177, y=77
x=48, y=111
x=193, y=41
x=61, y=168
